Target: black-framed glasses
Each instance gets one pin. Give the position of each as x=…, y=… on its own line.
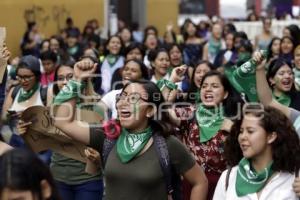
x=67, y=77
x=24, y=78
x=132, y=98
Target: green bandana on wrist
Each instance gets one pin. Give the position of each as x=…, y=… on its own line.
x=130, y=144
x=68, y=92
x=166, y=83
x=283, y=99
x=25, y=95
x=209, y=121
x=248, y=181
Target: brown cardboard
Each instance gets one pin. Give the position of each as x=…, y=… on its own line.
x=42, y=134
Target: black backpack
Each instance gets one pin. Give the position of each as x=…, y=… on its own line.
x=43, y=91
x=172, y=179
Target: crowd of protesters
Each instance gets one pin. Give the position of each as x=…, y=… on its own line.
x=200, y=113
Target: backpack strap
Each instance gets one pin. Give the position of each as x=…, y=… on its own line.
x=15, y=92
x=43, y=93
x=164, y=160
x=227, y=178
x=108, y=145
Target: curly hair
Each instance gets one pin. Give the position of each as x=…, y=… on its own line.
x=286, y=145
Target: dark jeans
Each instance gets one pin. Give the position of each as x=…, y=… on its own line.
x=91, y=190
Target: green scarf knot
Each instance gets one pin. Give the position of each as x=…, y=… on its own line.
x=73, y=89
x=249, y=181
x=209, y=121
x=283, y=99
x=112, y=59
x=130, y=144
x=25, y=95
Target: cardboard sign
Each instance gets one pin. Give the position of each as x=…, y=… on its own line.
x=3, y=62
x=42, y=134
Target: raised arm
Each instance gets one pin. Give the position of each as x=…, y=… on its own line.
x=264, y=91
x=64, y=117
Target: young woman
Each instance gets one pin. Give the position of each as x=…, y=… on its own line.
x=199, y=72
x=256, y=150
x=24, y=176
x=126, y=36
x=273, y=49
x=71, y=179
x=133, y=70
x=151, y=42
x=262, y=40
x=28, y=93
x=281, y=80
x=208, y=125
x=138, y=111
x=214, y=44
x=113, y=61
x=192, y=48
x=287, y=46
x=160, y=63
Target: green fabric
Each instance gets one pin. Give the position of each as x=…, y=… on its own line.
x=112, y=59
x=243, y=78
x=71, y=90
x=130, y=144
x=249, y=181
x=297, y=78
x=214, y=47
x=25, y=95
x=283, y=99
x=209, y=121
x=166, y=83
x=242, y=58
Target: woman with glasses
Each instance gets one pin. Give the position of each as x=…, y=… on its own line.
x=132, y=168
x=71, y=179
x=28, y=93
x=133, y=70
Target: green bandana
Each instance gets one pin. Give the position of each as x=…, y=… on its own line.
x=71, y=90
x=166, y=83
x=130, y=144
x=249, y=181
x=209, y=121
x=242, y=58
x=283, y=99
x=25, y=95
x=214, y=47
x=112, y=59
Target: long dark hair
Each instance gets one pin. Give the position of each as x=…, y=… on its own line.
x=193, y=88
x=233, y=102
x=286, y=145
x=68, y=63
x=20, y=169
x=270, y=52
x=160, y=122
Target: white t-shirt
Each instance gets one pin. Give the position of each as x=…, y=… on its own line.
x=278, y=188
x=110, y=101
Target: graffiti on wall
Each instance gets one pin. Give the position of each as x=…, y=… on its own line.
x=43, y=17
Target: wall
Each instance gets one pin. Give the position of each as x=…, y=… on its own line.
x=50, y=16
x=161, y=12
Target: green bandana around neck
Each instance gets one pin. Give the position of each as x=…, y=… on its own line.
x=209, y=121
x=283, y=99
x=112, y=59
x=214, y=47
x=130, y=144
x=249, y=181
x=25, y=95
x=69, y=91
